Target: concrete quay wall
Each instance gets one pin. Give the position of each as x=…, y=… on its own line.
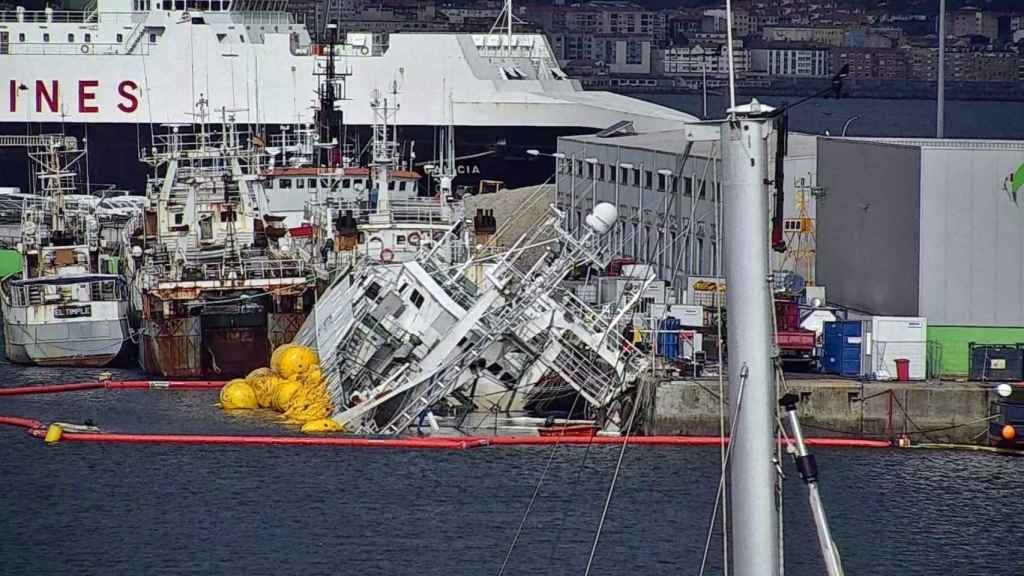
x=942, y=412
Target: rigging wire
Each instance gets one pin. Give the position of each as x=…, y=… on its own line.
x=719, y=497
x=533, y=498
x=615, y=477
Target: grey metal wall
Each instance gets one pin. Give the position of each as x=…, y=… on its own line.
x=868, y=225
x=972, y=235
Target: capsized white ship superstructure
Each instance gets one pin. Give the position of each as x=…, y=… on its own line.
x=399, y=340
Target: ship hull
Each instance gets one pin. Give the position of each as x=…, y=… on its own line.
x=220, y=344
x=485, y=152
x=90, y=343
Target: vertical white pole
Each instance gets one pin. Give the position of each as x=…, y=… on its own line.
x=752, y=396
x=728, y=37
x=940, y=120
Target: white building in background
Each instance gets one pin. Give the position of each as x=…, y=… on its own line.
x=792, y=60
x=695, y=60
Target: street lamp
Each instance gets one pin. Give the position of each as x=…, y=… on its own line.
x=848, y=122
x=628, y=167
x=593, y=183
x=572, y=179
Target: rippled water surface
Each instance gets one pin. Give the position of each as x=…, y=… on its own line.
x=878, y=117
x=78, y=508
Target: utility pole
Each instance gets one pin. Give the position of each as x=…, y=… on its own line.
x=941, y=113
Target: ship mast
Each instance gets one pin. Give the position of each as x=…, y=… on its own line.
x=329, y=119
x=751, y=370
x=384, y=148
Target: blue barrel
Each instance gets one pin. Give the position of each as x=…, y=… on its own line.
x=841, y=347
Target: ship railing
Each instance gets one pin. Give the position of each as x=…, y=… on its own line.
x=69, y=49
x=456, y=286
x=45, y=16
x=426, y=210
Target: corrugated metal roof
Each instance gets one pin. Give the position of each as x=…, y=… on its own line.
x=945, y=143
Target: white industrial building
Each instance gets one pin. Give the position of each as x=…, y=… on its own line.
x=668, y=209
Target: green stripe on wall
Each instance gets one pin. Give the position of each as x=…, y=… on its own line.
x=948, y=346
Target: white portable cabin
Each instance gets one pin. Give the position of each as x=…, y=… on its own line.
x=891, y=338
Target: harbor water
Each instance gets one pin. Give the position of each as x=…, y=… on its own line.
x=164, y=509
x=875, y=116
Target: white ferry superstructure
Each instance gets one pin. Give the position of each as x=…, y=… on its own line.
x=122, y=66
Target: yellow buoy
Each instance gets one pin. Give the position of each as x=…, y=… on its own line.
x=286, y=389
x=321, y=426
x=53, y=434
x=259, y=373
x=275, y=358
x=237, y=395
x=296, y=361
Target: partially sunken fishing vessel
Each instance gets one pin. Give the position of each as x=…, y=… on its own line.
x=65, y=308
x=219, y=288
x=401, y=341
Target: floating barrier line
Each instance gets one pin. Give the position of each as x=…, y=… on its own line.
x=23, y=422
x=666, y=441
x=433, y=443
x=39, y=430
x=115, y=385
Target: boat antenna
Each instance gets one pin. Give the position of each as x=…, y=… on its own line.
x=940, y=119
x=728, y=45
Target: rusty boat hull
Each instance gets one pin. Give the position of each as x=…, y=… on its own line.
x=207, y=339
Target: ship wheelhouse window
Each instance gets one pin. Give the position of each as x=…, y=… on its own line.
x=179, y=4
x=346, y=183
x=391, y=185
x=215, y=5
x=179, y=218
x=311, y=182
x=401, y=186
x=416, y=298
x=300, y=183
x=285, y=184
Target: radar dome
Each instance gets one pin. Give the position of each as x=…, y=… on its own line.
x=602, y=218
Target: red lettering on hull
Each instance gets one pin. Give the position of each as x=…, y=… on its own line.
x=51, y=97
x=131, y=102
x=86, y=95
x=47, y=94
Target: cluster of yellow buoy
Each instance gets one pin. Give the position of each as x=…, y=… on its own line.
x=292, y=385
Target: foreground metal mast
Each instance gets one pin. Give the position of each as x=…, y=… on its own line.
x=752, y=397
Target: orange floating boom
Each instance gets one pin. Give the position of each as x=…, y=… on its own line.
x=115, y=385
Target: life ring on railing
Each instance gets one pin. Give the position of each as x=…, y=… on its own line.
x=414, y=238
x=386, y=255
x=85, y=48
x=364, y=50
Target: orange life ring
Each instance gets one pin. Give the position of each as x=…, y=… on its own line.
x=414, y=238
x=386, y=255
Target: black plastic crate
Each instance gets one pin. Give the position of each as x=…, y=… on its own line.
x=997, y=362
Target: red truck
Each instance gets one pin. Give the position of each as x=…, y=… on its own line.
x=796, y=345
